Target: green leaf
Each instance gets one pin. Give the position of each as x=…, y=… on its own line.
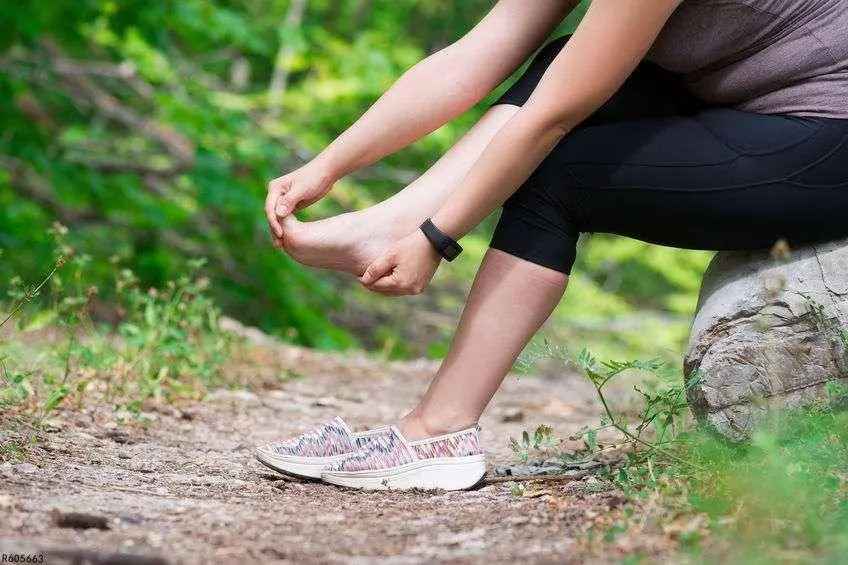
x=55, y=398
x=40, y=320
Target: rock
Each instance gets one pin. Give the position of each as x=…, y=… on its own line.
x=767, y=334
x=512, y=415
x=80, y=520
x=25, y=468
x=247, y=333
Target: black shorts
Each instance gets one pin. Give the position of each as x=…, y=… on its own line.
x=657, y=164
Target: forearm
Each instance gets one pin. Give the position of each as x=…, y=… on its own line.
x=446, y=84
x=507, y=162
x=428, y=95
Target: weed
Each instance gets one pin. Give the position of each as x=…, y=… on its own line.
x=785, y=493
x=649, y=435
x=167, y=344
x=11, y=451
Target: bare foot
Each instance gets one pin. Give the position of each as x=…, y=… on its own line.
x=347, y=242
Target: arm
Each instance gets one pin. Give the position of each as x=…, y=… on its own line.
x=610, y=42
x=446, y=84
x=428, y=95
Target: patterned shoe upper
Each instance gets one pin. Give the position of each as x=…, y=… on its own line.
x=392, y=450
x=332, y=438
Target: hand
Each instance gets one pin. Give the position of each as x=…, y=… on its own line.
x=407, y=267
x=294, y=191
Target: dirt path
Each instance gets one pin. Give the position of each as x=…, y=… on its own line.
x=185, y=488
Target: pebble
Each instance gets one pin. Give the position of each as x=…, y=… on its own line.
x=26, y=468
x=512, y=415
x=223, y=394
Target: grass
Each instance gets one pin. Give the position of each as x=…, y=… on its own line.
x=780, y=498
x=165, y=344
x=783, y=497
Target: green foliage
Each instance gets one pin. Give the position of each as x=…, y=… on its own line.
x=542, y=441
x=166, y=344
x=150, y=129
x=782, y=497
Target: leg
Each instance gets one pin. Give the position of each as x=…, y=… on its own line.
x=675, y=181
x=721, y=179
x=710, y=180
x=349, y=242
x=484, y=348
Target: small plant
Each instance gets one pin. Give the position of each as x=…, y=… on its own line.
x=167, y=343
x=651, y=434
x=837, y=395
x=542, y=441
x=661, y=411
x=829, y=327
x=16, y=387
x=786, y=492
x=170, y=346
x=22, y=295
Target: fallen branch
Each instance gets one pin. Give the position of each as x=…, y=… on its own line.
x=34, y=188
x=79, y=85
x=563, y=477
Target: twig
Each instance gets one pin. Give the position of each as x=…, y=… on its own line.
x=546, y=478
x=30, y=294
x=279, y=79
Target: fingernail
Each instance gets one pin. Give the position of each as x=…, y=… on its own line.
x=282, y=210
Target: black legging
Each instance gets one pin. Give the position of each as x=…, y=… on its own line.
x=657, y=164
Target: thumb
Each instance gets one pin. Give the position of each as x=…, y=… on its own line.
x=381, y=266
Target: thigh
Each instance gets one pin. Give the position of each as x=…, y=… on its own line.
x=719, y=179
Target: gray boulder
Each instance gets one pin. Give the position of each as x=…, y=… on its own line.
x=768, y=333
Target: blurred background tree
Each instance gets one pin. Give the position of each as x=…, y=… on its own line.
x=150, y=129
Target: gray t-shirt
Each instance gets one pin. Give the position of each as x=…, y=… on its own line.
x=765, y=56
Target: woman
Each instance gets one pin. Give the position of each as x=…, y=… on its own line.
x=704, y=124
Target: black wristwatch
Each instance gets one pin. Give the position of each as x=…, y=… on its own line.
x=445, y=245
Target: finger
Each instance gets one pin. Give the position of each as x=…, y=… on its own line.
x=270, y=202
x=381, y=267
x=389, y=286
x=287, y=201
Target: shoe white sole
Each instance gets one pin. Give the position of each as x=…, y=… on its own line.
x=445, y=473
x=307, y=467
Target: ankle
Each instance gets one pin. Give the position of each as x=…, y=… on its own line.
x=415, y=425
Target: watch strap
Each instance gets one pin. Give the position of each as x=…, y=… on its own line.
x=445, y=245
